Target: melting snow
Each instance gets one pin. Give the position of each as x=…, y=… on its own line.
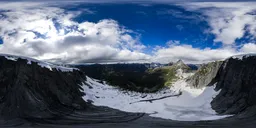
x=192, y=105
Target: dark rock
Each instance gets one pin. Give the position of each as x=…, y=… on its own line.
x=134, y=77
x=29, y=90
x=33, y=94
x=237, y=81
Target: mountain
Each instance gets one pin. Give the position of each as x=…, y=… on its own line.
x=194, y=66
x=204, y=75
x=181, y=65
x=236, y=79
x=39, y=94
x=33, y=91
x=136, y=77
x=43, y=88
x=233, y=80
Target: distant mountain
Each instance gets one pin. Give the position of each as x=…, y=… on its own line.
x=136, y=77
x=181, y=65
x=194, y=66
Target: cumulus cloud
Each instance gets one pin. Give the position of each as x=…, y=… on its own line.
x=229, y=21
x=49, y=33
x=192, y=55
x=249, y=48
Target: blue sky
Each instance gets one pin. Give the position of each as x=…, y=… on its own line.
x=131, y=31
x=156, y=24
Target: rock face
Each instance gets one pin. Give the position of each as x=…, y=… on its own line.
x=237, y=81
x=33, y=92
x=29, y=90
x=204, y=75
x=34, y=96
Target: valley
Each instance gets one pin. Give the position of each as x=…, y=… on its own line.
x=45, y=95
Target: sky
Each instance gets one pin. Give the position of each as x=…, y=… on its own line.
x=128, y=31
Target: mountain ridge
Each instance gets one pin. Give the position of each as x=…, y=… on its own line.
x=49, y=96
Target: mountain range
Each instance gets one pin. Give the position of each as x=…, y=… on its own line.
x=39, y=94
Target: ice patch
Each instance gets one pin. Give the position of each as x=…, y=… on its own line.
x=192, y=105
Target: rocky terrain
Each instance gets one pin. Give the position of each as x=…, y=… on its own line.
x=205, y=74
x=24, y=85
x=237, y=81
x=39, y=94
x=136, y=77
x=35, y=92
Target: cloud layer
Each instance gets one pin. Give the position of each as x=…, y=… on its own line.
x=47, y=32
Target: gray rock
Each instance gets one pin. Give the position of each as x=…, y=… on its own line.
x=204, y=75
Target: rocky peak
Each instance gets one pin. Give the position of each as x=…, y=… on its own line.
x=181, y=65
x=179, y=62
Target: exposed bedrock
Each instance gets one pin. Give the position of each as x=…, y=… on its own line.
x=29, y=90
x=237, y=81
x=34, y=96
x=32, y=93
x=204, y=75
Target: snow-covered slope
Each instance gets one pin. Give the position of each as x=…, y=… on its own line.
x=180, y=102
x=40, y=63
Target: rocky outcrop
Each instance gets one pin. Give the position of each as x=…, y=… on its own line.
x=34, y=92
x=30, y=90
x=237, y=81
x=204, y=75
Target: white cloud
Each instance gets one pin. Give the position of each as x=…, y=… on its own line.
x=173, y=42
x=249, y=48
x=227, y=20
x=31, y=31
x=192, y=55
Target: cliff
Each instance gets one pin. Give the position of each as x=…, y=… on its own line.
x=237, y=81
x=30, y=90
x=36, y=92
x=204, y=75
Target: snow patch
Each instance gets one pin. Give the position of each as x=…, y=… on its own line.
x=191, y=105
x=241, y=57
x=40, y=63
